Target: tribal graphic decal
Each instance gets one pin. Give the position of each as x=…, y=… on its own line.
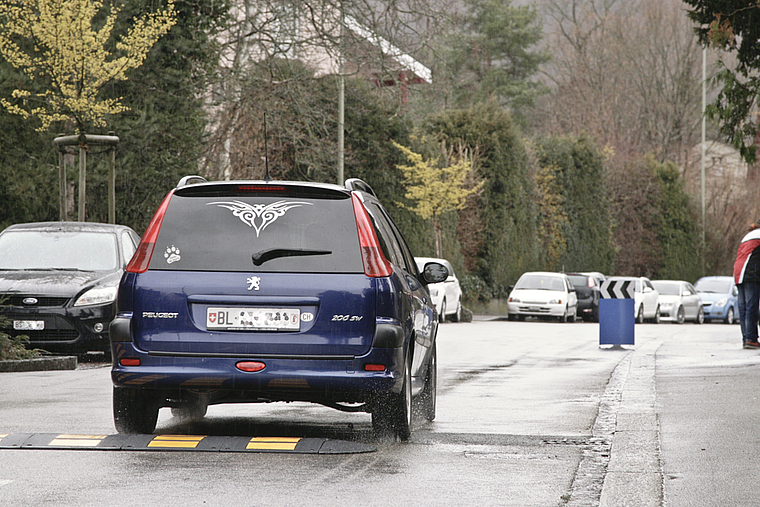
x=259, y=216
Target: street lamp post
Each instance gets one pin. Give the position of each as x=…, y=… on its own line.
x=704, y=149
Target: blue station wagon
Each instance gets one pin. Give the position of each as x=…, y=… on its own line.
x=264, y=291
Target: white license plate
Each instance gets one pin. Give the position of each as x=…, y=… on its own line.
x=29, y=325
x=254, y=319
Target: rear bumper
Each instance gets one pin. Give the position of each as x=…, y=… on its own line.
x=285, y=377
x=282, y=379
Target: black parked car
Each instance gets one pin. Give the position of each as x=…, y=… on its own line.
x=58, y=282
x=587, y=287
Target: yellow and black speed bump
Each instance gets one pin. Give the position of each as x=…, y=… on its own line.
x=295, y=445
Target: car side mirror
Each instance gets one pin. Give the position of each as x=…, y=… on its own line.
x=434, y=272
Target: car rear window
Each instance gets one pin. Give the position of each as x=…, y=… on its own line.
x=258, y=233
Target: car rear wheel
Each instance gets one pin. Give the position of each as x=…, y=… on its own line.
x=730, y=316
x=442, y=317
x=392, y=414
x=700, y=316
x=134, y=411
x=640, y=315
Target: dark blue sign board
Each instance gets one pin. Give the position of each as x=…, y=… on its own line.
x=616, y=321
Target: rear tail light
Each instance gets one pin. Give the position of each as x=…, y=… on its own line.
x=250, y=366
x=375, y=263
x=141, y=259
x=374, y=367
x=130, y=361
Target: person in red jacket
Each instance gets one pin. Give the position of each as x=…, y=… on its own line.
x=747, y=279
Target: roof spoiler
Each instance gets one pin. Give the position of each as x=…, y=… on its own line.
x=191, y=180
x=355, y=184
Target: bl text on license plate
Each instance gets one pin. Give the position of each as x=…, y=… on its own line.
x=265, y=319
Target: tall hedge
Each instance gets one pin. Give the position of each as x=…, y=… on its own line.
x=586, y=226
x=508, y=211
x=677, y=229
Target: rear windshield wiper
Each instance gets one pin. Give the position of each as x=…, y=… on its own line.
x=263, y=256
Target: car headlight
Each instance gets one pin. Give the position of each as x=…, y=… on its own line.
x=97, y=296
x=555, y=301
x=434, y=292
x=721, y=302
x=514, y=300
x=666, y=305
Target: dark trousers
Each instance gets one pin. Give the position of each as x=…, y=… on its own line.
x=749, y=299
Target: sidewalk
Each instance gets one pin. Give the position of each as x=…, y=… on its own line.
x=686, y=429
x=708, y=410
x=634, y=476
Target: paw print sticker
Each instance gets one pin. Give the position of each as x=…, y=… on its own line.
x=172, y=254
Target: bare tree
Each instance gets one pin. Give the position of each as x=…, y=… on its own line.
x=627, y=73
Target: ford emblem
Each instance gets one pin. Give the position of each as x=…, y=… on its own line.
x=30, y=301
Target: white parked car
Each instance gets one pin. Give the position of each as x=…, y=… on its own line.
x=679, y=301
x=543, y=294
x=447, y=295
x=645, y=297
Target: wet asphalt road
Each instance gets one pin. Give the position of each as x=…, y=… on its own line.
x=529, y=414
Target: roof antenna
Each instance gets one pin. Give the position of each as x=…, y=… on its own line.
x=267, y=177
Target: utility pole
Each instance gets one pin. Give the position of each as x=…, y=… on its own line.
x=341, y=101
x=704, y=149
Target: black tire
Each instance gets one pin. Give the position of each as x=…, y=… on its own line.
x=700, y=316
x=457, y=316
x=680, y=315
x=427, y=398
x=392, y=414
x=656, y=318
x=729, y=315
x=442, y=317
x=134, y=410
x=640, y=315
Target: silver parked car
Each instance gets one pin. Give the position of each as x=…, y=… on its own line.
x=543, y=294
x=679, y=301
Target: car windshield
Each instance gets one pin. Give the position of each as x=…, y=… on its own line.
x=716, y=286
x=580, y=280
x=40, y=250
x=666, y=289
x=540, y=282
